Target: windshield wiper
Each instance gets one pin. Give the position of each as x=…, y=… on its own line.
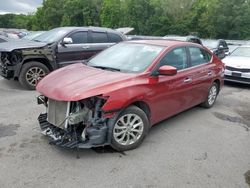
x=85, y=62
x=36, y=40
x=107, y=68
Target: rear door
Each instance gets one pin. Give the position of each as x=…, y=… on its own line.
x=99, y=42
x=202, y=73
x=77, y=50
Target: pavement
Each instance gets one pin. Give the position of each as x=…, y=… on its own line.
x=197, y=148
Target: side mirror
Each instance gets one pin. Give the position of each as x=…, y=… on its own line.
x=67, y=40
x=167, y=70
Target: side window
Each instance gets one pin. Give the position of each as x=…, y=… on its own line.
x=224, y=44
x=99, y=37
x=79, y=37
x=114, y=38
x=176, y=58
x=199, y=56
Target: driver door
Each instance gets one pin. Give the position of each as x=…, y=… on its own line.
x=173, y=93
x=77, y=50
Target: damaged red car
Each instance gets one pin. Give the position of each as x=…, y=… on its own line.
x=115, y=97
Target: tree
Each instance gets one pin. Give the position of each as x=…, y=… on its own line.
x=208, y=18
x=137, y=14
x=111, y=13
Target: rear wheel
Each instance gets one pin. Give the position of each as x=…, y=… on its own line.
x=212, y=96
x=31, y=73
x=129, y=129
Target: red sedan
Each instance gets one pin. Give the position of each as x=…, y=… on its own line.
x=115, y=97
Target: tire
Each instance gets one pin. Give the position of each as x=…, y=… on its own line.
x=31, y=73
x=126, y=137
x=212, y=96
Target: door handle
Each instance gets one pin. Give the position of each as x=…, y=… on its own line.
x=187, y=80
x=85, y=47
x=209, y=73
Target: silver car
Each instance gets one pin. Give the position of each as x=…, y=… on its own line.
x=238, y=65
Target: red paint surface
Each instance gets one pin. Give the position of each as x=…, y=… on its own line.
x=164, y=95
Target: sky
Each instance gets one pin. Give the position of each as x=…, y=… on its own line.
x=19, y=6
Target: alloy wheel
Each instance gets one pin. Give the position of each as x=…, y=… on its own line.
x=212, y=95
x=34, y=74
x=128, y=129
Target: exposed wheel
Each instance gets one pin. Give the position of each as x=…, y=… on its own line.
x=31, y=73
x=212, y=95
x=129, y=129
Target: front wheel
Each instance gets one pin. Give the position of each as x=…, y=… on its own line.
x=31, y=73
x=129, y=129
x=212, y=96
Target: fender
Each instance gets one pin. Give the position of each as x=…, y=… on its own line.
x=39, y=58
x=124, y=97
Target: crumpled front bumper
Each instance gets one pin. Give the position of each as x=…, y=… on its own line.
x=6, y=72
x=96, y=136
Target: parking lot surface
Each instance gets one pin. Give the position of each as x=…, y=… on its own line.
x=197, y=148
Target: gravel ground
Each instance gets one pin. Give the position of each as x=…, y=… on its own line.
x=197, y=148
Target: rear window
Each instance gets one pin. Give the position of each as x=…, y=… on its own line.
x=99, y=37
x=224, y=44
x=114, y=38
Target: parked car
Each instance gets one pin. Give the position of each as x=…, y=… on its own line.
x=238, y=65
x=13, y=35
x=231, y=48
x=218, y=47
x=142, y=37
x=32, y=35
x=4, y=39
x=29, y=61
x=2, y=33
x=189, y=38
x=119, y=94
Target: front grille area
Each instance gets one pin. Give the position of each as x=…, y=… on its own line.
x=58, y=111
x=237, y=69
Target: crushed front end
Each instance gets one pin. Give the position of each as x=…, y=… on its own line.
x=75, y=124
x=9, y=61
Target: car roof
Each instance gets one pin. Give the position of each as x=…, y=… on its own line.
x=165, y=43
x=87, y=28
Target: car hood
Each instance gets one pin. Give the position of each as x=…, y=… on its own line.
x=20, y=44
x=237, y=62
x=78, y=81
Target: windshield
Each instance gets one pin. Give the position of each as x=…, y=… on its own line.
x=51, y=36
x=210, y=43
x=126, y=57
x=241, y=51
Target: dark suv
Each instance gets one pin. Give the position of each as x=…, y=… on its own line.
x=218, y=47
x=29, y=61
